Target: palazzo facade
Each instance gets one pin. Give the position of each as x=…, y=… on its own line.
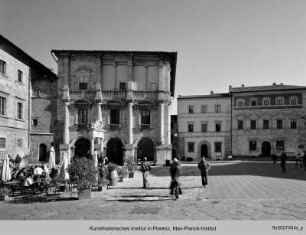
x=115, y=102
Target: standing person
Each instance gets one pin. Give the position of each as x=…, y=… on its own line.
x=283, y=161
x=204, y=167
x=145, y=168
x=175, y=173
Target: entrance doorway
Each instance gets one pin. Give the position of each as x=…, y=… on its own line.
x=266, y=149
x=114, y=151
x=82, y=146
x=146, y=149
x=42, y=153
x=204, y=150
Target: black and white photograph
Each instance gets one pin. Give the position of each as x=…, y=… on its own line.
x=153, y=117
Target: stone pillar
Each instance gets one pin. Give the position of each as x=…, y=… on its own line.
x=65, y=146
x=131, y=122
x=92, y=145
x=162, y=122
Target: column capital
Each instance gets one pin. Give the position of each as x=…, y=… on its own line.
x=66, y=97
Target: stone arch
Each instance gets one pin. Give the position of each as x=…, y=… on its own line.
x=201, y=147
x=42, y=152
x=146, y=147
x=81, y=146
x=115, y=150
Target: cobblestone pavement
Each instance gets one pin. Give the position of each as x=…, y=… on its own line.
x=236, y=191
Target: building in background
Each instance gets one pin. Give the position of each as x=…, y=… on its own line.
x=18, y=74
x=268, y=120
x=115, y=102
x=204, y=126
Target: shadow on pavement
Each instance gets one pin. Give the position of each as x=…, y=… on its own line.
x=141, y=198
x=240, y=168
x=39, y=198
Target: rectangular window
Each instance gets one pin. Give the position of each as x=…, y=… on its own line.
x=293, y=102
x=293, y=124
x=190, y=147
x=122, y=86
x=253, y=124
x=20, y=76
x=36, y=93
x=253, y=102
x=203, y=108
x=240, y=125
x=2, y=67
x=114, y=116
x=19, y=143
x=83, y=81
x=190, y=127
x=266, y=124
x=252, y=145
x=279, y=101
x=240, y=104
x=145, y=117
x=83, y=116
x=218, y=127
x=279, y=124
x=204, y=127
x=19, y=110
x=190, y=108
x=266, y=102
x=218, y=147
x=217, y=108
x=2, y=143
x=34, y=122
x=280, y=145
x=2, y=106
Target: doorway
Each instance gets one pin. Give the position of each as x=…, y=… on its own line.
x=82, y=146
x=114, y=151
x=146, y=149
x=42, y=153
x=204, y=150
x=266, y=149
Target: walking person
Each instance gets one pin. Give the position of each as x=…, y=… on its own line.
x=204, y=167
x=145, y=168
x=283, y=161
x=304, y=160
x=175, y=173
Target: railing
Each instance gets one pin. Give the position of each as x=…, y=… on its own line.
x=109, y=95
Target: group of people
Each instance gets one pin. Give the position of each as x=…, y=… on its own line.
x=175, y=173
x=300, y=160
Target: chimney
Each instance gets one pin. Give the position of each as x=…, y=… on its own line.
x=274, y=84
x=211, y=92
x=282, y=84
x=242, y=85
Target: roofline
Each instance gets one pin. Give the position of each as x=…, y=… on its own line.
x=216, y=95
x=26, y=58
x=173, y=55
x=284, y=89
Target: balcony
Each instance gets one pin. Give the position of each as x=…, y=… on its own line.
x=119, y=95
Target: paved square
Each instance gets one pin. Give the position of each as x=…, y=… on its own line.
x=236, y=191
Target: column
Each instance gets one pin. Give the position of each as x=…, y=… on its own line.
x=131, y=120
x=99, y=112
x=162, y=122
x=92, y=145
x=66, y=123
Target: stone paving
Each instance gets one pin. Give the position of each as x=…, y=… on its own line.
x=236, y=191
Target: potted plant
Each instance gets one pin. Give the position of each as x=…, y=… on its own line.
x=124, y=173
x=4, y=193
x=83, y=173
x=113, y=174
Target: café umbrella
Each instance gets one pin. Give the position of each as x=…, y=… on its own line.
x=5, y=170
x=64, y=168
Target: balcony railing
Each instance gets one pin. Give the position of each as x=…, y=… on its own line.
x=109, y=95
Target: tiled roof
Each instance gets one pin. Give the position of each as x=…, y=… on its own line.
x=273, y=87
x=215, y=95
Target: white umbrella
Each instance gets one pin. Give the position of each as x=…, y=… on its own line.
x=64, y=168
x=51, y=163
x=6, y=171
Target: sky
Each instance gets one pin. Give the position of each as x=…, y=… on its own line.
x=219, y=42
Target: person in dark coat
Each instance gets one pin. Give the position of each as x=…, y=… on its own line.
x=175, y=173
x=204, y=167
x=304, y=160
x=145, y=168
x=283, y=161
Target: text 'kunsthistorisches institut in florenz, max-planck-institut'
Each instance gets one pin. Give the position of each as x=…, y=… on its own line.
x=118, y=103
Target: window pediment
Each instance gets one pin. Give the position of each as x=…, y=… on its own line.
x=83, y=104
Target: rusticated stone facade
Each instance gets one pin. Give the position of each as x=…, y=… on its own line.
x=115, y=102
